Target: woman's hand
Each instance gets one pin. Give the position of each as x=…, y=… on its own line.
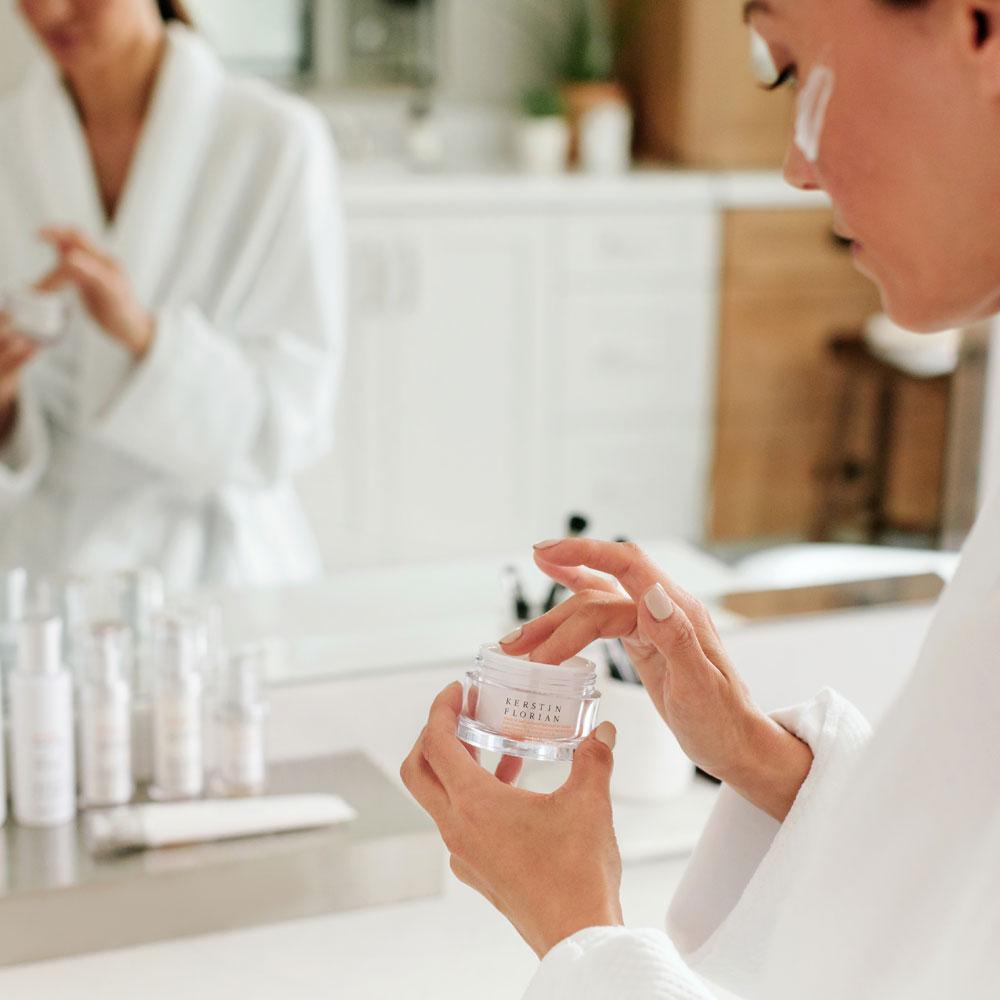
x=103, y=287
x=548, y=863
x=16, y=351
x=677, y=652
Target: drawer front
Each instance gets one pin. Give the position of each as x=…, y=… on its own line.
x=641, y=485
x=671, y=245
x=629, y=356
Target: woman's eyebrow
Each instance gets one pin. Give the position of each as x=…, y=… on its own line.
x=752, y=7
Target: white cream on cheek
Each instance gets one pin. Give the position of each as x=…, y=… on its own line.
x=765, y=70
x=813, y=103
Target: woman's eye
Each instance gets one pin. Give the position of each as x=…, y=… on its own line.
x=786, y=76
x=765, y=68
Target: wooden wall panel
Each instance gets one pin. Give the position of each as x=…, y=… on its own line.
x=787, y=288
x=686, y=64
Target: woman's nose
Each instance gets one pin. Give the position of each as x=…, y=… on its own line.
x=798, y=171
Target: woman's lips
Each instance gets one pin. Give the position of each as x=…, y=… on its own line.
x=61, y=41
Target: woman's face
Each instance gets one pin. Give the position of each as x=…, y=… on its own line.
x=83, y=34
x=909, y=146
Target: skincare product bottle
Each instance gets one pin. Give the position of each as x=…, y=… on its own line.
x=106, y=716
x=3, y=769
x=168, y=824
x=13, y=604
x=39, y=316
x=43, y=775
x=238, y=726
x=138, y=598
x=534, y=710
x=178, y=762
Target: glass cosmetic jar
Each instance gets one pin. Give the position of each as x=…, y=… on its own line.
x=525, y=709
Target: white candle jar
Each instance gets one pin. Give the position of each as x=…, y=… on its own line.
x=533, y=710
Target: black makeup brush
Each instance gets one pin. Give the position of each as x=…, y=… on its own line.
x=576, y=525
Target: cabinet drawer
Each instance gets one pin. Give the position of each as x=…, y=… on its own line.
x=678, y=244
x=638, y=484
x=626, y=356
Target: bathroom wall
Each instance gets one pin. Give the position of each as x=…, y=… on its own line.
x=490, y=52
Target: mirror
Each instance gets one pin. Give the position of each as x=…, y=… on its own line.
x=681, y=354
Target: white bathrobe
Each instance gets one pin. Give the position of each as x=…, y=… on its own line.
x=883, y=881
x=229, y=232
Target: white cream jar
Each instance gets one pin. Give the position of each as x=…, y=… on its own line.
x=533, y=710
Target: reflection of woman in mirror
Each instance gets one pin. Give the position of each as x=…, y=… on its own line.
x=838, y=863
x=190, y=218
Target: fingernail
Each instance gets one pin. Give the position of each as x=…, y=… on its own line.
x=512, y=637
x=549, y=544
x=658, y=603
x=606, y=734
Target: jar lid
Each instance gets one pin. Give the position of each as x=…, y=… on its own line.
x=577, y=673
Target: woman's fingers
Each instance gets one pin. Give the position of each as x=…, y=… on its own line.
x=423, y=784
x=576, y=578
x=57, y=278
x=613, y=619
x=68, y=238
x=637, y=573
x=509, y=769
x=572, y=626
x=448, y=757
x=15, y=352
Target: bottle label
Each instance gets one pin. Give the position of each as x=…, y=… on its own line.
x=106, y=750
x=177, y=743
x=240, y=752
x=44, y=775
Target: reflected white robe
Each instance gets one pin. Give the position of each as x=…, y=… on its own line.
x=230, y=232
x=883, y=881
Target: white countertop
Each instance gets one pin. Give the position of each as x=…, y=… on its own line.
x=408, y=617
x=427, y=950
x=374, y=188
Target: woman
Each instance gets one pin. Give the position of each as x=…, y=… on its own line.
x=837, y=864
x=192, y=217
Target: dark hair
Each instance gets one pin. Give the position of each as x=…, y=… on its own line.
x=174, y=10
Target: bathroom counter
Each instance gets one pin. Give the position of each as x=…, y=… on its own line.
x=366, y=188
x=426, y=950
x=370, y=621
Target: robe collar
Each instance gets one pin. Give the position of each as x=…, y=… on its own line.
x=148, y=230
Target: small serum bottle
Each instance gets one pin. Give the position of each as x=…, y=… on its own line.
x=41, y=707
x=3, y=772
x=178, y=752
x=239, y=720
x=106, y=716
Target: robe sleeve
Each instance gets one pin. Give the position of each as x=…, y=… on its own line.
x=611, y=963
x=24, y=456
x=726, y=907
x=254, y=405
x=721, y=918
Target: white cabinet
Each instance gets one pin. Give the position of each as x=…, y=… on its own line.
x=511, y=364
x=437, y=431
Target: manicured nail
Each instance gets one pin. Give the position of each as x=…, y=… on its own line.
x=606, y=734
x=512, y=637
x=659, y=604
x=549, y=544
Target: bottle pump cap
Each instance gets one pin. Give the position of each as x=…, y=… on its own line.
x=40, y=646
x=107, y=652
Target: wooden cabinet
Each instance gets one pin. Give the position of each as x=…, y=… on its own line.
x=687, y=66
x=786, y=289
